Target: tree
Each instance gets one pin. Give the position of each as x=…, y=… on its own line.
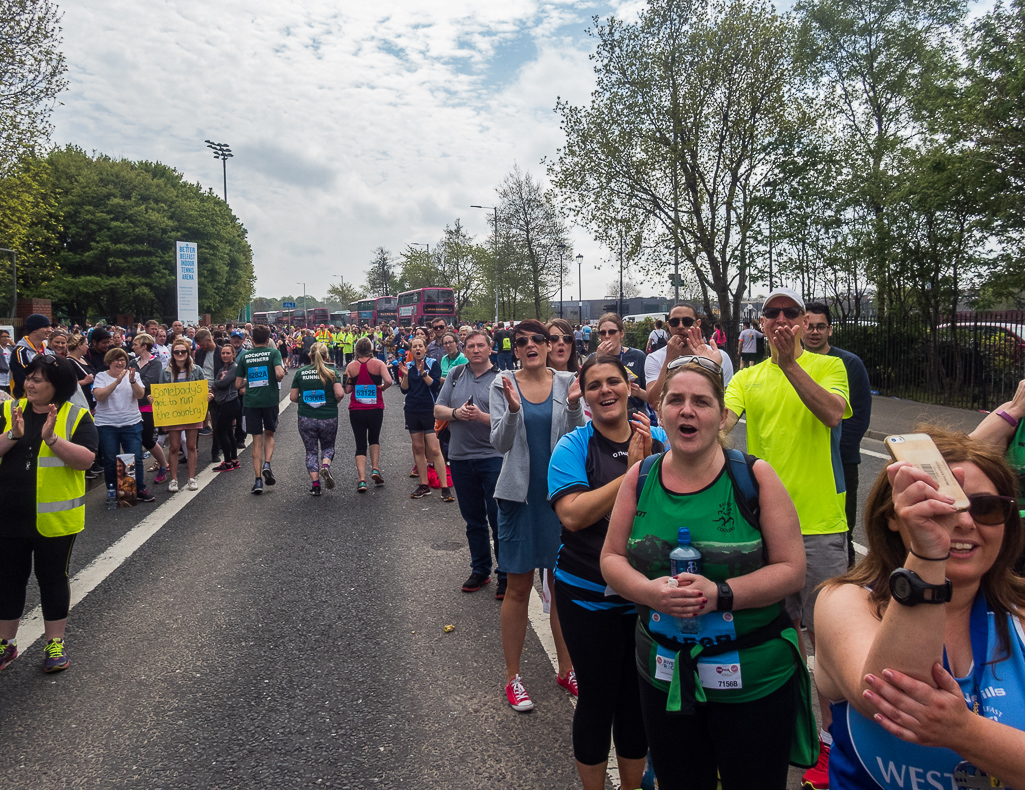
x=532, y=230
x=29, y=224
x=115, y=250
x=694, y=110
x=381, y=279
x=418, y=269
x=345, y=294
x=461, y=264
x=31, y=76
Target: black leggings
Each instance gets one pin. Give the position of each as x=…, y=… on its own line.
x=224, y=415
x=149, y=431
x=746, y=743
x=601, y=644
x=366, y=427
x=52, y=556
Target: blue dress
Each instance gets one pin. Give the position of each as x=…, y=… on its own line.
x=528, y=532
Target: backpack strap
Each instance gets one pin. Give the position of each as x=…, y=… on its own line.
x=642, y=474
x=739, y=468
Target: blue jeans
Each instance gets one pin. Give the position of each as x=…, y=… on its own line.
x=505, y=360
x=474, y=481
x=114, y=438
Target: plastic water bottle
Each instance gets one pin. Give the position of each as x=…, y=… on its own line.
x=111, y=498
x=685, y=559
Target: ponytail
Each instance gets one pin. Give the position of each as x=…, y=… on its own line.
x=318, y=353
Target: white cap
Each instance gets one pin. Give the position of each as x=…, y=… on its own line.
x=788, y=293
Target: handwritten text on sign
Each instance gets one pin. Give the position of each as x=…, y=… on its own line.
x=180, y=403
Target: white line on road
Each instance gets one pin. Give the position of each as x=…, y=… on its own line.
x=90, y=577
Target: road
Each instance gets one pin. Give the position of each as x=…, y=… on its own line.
x=224, y=640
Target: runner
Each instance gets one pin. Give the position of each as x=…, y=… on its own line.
x=418, y=381
x=317, y=390
x=366, y=380
x=587, y=468
x=254, y=371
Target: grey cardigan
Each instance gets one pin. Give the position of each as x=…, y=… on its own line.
x=509, y=435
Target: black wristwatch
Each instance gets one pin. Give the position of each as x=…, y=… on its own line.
x=908, y=589
x=725, y=601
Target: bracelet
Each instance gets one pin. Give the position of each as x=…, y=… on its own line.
x=929, y=559
x=1011, y=421
x=51, y=444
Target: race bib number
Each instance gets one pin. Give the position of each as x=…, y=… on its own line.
x=366, y=394
x=314, y=398
x=721, y=672
x=664, y=663
x=258, y=377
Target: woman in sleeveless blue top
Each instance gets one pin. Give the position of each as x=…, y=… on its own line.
x=930, y=696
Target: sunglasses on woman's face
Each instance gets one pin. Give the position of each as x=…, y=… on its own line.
x=522, y=340
x=685, y=320
x=181, y=353
x=773, y=312
x=568, y=339
x=990, y=509
x=607, y=332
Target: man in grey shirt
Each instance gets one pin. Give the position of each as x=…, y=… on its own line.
x=464, y=403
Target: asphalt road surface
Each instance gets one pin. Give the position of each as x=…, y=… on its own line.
x=224, y=640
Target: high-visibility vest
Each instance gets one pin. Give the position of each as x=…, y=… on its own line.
x=60, y=490
x=347, y=340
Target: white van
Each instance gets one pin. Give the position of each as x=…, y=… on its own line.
x=638, y=317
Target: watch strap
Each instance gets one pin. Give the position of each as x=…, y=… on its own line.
x=724, y=601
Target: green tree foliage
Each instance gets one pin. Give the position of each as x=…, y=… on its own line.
x=31, y=76
x=381, y=277
x=115, y=251
x=694, y=109
x=344, y=294
x=29, y=224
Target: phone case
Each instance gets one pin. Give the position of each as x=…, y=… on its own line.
x=919, y=450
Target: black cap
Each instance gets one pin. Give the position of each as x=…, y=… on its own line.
x=36, y=321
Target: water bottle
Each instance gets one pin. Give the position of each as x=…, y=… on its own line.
x=685, y=559
x=111, y=498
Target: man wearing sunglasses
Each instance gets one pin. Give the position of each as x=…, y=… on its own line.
x=436, y=348
x=795, y=402
x=685, y=339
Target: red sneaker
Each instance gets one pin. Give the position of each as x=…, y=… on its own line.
x=817, y=778
x=518, y=696
x=569, y=682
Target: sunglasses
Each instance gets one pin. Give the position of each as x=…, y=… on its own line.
x=790, y=312
x=47, y=359
x=181, y=353
x=568, y=339
x=607, y=332
x=685, y=320
x=693, y=359
x=522, y=340
x=990, y=509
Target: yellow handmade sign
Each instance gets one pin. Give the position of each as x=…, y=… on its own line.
x=180, y=403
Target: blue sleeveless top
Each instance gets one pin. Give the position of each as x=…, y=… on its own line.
x=865, y=756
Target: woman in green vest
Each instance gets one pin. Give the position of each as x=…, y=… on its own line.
x=317, y=389
x=735, y=709
x=46, y=445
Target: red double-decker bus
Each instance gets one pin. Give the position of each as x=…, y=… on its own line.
x=385, y=310
x=421, y=306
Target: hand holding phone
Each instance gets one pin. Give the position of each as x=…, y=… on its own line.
x=919, y=450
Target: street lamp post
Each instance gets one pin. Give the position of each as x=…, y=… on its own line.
x=580, y=291
x=222, y=152
x=14, y=280
x=495, y=209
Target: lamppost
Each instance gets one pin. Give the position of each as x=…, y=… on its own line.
x=580, y=291
x=495, y=209
x=14, y=280
x=306, y=314
x=222, y=152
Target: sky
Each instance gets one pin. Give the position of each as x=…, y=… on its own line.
x=353, y=125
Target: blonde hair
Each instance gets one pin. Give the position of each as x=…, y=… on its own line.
x=318, y=353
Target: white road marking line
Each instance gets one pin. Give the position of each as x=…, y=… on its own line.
x=874, y=454
x=90, y=577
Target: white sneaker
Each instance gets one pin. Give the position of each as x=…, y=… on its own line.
x=172, y=487
x=193, y=485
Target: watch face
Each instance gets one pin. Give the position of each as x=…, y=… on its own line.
x=901, y=588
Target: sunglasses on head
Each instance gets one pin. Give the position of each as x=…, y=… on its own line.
x=522, y=340
x=564, y=338
x=789, y=312
x=990, y=509
x=47, y=359
x=689, y=359
x=685, y=320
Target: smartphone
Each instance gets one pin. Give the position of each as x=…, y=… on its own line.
x=469, y=401
x=919, y=450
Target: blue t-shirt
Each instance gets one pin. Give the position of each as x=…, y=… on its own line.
x=420, y=397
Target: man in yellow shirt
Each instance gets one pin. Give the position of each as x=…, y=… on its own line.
x=795, y=402
x=348, y=338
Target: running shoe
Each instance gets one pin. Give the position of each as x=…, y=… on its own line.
x=241, y=444
x=476, y=581
x=518, y=696
x=172, y=487
x=569, y=682
x=161, y=475
x=500, y=590
x=56, y=656
x=236, y=464
x=8, y=652
x=205, y=431
x=375, y=475
x=817, y=778
x=421, y=491
x=446, y=495
x=145, y=496
x=193, y=484
x=361, y=487
x=258, y=486
x=414, y=473
x=225, y=466
x=325, y=475
x=315, y=489
x=268, y=475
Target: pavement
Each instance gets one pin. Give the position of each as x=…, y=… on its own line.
x=893, y=415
